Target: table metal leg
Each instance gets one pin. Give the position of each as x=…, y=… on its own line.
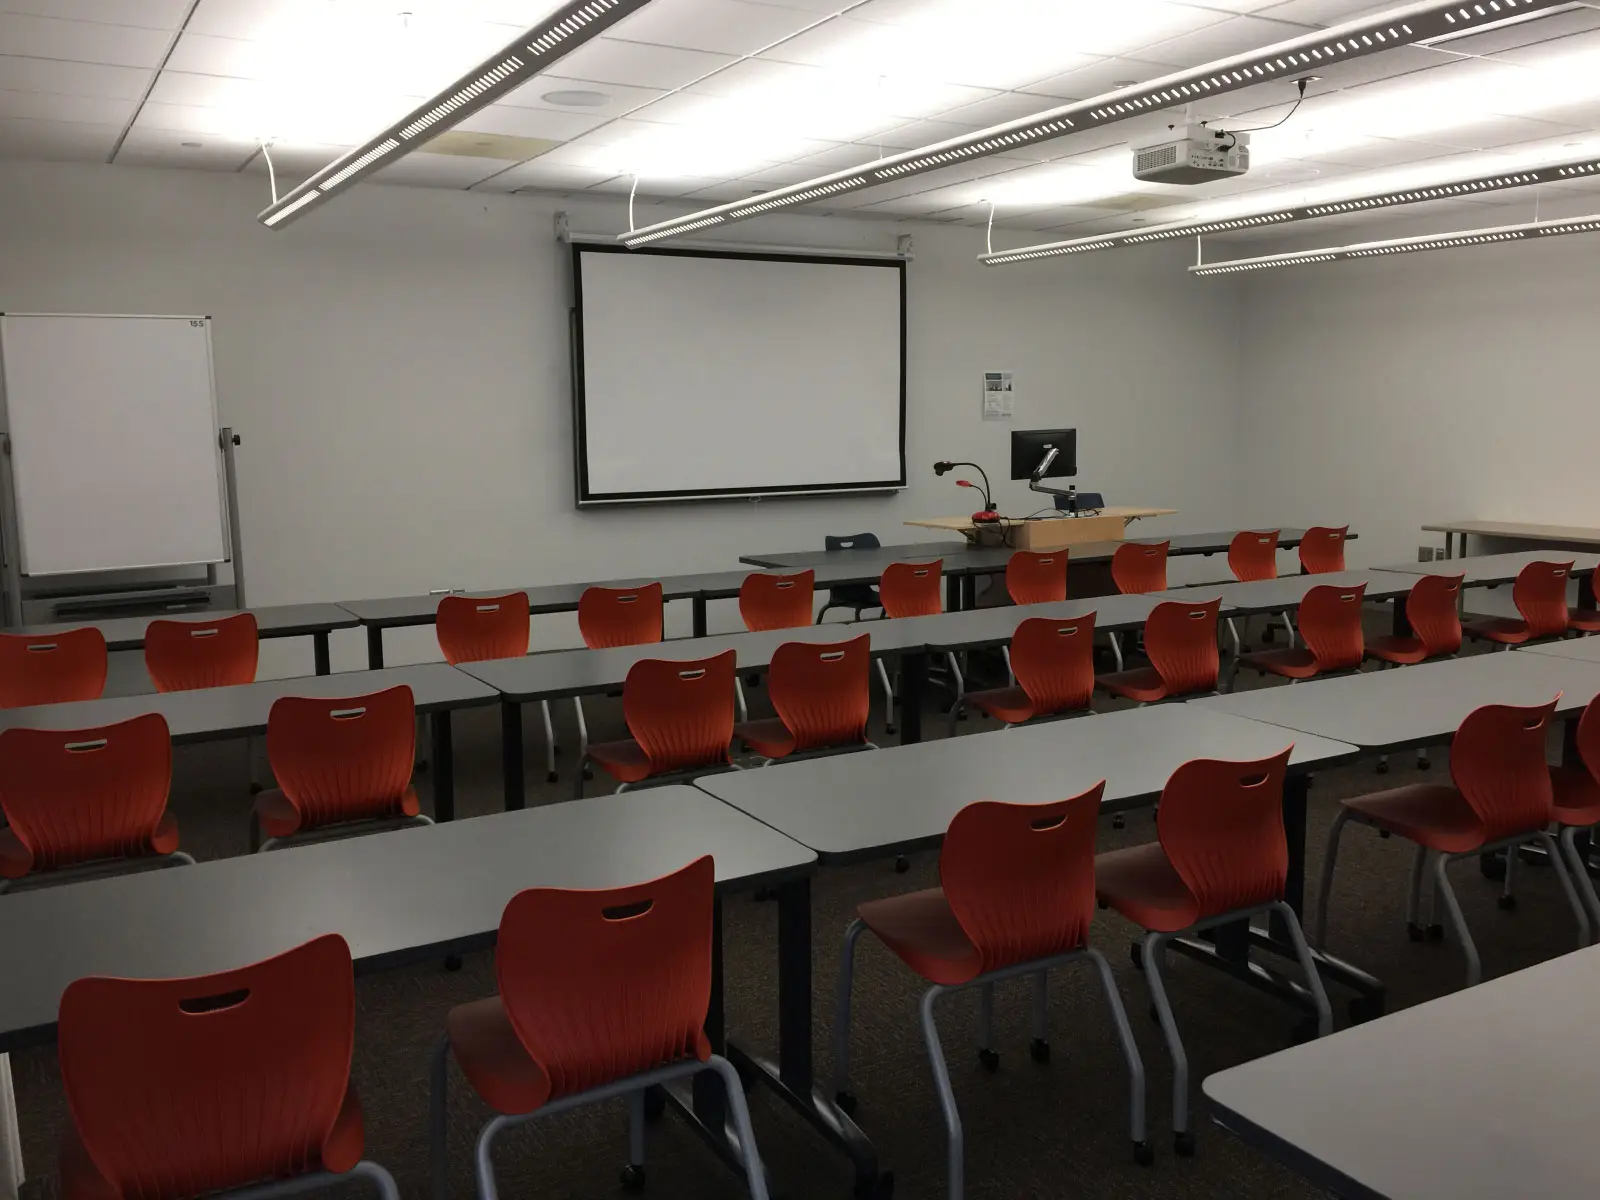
x=952, y=593
x=699, y=603
x=1400, y=623
x=374, y=647
x=913, y=684
x=511, y=753
x=319, y=653
x=444, y=766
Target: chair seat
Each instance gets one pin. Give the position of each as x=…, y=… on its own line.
x=1298, y=663
x=624, y=761
x=494, y=1059
x=1143, y=684
x=1142, y=884
x=1008, y=704
x=280, y=818
x=854, y=595
x=769, y=738
x=924, y=934
x=16, y=860
x=1584, y=620
x=1508, y=631
x=1405, y=651
x=1434, y=815
x=1577, y=796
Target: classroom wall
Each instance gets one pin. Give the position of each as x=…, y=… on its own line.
x=397, y=366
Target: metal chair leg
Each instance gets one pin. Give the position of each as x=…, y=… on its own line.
x=1580, y=876
x=1419, y=865
x=381, y=1179
x=1130, y=1052
x=1041, y=1012
x=1325, y=888
x=738, y=699
x=438, y=1099
x=1452, y=908
x=1508, y=898
x=955, y=672
x=888, y=697
x=1319, y=994
x=955, y=1156
x=1116, y=650
x=483, y=1160
x=549, y=742
x=1011, y=676
x=755, y=1175
x=636, y=1129
x=583, y=733
x=1155, y=953
x=841, y=1017
x=1288, y=624
x=1560, y=865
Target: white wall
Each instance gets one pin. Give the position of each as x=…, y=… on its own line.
x=397, y=366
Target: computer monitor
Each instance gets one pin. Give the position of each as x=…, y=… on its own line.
x=1030, y=447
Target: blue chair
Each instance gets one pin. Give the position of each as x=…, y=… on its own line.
x=857, y=596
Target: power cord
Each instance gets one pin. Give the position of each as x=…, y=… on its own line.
x=1294, y=108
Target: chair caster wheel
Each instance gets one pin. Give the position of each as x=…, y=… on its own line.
x=632, y=1178
x=989, y=1059
x=1381, y=768
x=902, y=864
x=889, y=727
x=1183, y=1144
x=881, y=1188
x=655, y=1103
x=845, y=1102
x=1117, y=822
x=552, y=777
x=1507, y=903
x=1417, y=933
x=1039, y=1050
x=452, y=962
x=1436, y=933
x=1492, y=866
x=1143, y=1154
x=422, y=765
x=1136, y=955
x=1424, y=764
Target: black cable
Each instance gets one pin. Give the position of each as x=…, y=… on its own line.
x=1293, y=108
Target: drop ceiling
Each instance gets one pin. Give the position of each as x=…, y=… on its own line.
x=705, y=101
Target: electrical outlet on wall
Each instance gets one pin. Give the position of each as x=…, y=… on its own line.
x=1424, y=553
x=1440, y=554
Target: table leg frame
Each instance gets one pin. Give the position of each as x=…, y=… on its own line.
x=444, y=766
x=320, y=654
x=515, y=787
x=374, y=647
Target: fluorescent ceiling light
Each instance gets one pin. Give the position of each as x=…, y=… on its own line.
x=1336, y=204
x=1409, y=25
x=1411, y=245
x=554, y=37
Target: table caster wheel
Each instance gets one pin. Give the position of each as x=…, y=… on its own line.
x=1507, y=903
x=845, y=1102
x=1039, y=1050
x=632, y=1178
x=1143, y=1154
x=452, y=962
x=990, y=1060
x=1117, y=821
x=902, y=864
x=1183, y=1144
x=888, y=727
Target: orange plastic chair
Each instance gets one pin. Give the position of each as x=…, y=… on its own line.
x=1140, y=567
x=609, y=617
x=1575, y=804
x=1181, y=642
x=776, y=601
x=1054, y=665
x=912, y=589
x=1330, y=625
x=183, y=656
x=1034, y=578
x=1587, y=620
x=187, y=1087
x=1017, y=897
x=1253, y=555
x=1540, y=594
x=821, y=692
x=1222, y=856
x=83, y=802
x=603, y=994
x=55, y=668
x=1502, y=799
x=1322, y=549
x=1433, y=610
x=480, y=628
x=680, y=715
x=340, y=763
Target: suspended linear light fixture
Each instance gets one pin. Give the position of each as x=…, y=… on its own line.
x=556, y=36
x=1410, y=25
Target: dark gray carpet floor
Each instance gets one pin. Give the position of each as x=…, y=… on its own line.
x=1032, y=1131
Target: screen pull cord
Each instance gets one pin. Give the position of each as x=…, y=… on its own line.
x=632, y=192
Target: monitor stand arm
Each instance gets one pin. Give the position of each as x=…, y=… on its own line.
x=1071, y=492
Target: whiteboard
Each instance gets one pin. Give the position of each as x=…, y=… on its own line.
x=705, y=375
x=115, y=458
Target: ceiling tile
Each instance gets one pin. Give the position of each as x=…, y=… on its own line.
x=57, y=141
x=532, y=122
x=542, y=176
x=619, y=98
x=205, y=54
x=188, y=118
x=83, y=110
x=1096, y=79
x=607, y=60
x=437, y=170
x=82, y=41
x=720, y=26
x=1222, y=40
x=205, y=91
x=165, y=148
x=72, y=79
x=144, y=14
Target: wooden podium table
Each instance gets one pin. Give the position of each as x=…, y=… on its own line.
x=1047, y=533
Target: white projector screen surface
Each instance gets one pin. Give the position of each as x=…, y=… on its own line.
x=114, y=453
x=706, y=375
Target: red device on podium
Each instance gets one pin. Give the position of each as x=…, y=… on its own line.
x=987, y=514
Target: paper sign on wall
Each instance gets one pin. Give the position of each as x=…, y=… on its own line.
x=999, y=397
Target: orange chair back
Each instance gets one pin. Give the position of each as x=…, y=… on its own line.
x=1034, y=578
x=1181, y=643
x=182, y=656
x=345, y=758
x=1588, y=737
x=1020, y=877
x=1253, y=555
x=478, y=628
x=1221, y=825
x=821, y=692
x=600, y=985
x=610, y=617
x=1497, y=761
x=1140, y=567
x=52, y=668
x=912, y=589
x=79, y=795
x=1434, y=611
x=181, y=1087
x=1540, y=594
x=1330, y=623
x=776, y=601
x=1322, y=549
x=681, y=713
x=1054, y=662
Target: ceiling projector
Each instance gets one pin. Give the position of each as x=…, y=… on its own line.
x=1192, y=154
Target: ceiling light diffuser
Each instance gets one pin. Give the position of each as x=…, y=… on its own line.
x=1410, y=245
x=1405, y=26
x=554, y=37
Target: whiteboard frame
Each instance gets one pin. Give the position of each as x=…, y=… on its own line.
x=16, y=553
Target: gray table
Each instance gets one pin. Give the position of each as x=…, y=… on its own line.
x=215, y=714
x=978, y=628
x=1584, y=649
x=274, y=621
x=1479, y=1095
x=1490, y=570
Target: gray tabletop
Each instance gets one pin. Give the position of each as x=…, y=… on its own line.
x=395, y=897
x=1486, y=570
x=881, y=802
x=226, y=712
x=1413, y=706
x=1287, y=591
x=994, y=626
x=582, y=672
x=1494, y=1096
x=1584, y=649
x=280, y=620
